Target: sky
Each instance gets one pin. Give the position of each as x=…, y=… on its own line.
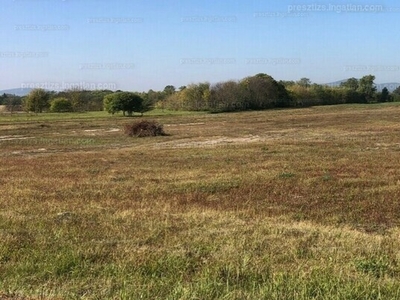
x=137, y=45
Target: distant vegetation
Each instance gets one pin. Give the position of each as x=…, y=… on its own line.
x=262, y=92
x=256, y=92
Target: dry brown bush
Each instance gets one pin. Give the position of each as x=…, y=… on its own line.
x=144, y=128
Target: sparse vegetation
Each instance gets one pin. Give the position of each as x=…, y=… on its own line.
x=291, y=204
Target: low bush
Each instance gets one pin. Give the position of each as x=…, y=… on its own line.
x=61, y=104
x=144, y=128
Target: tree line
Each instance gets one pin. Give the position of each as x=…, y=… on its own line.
x=263, y=92
x=257, y=92
x=71, y=100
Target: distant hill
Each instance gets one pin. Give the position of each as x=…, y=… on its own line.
x=336, y=83
x=17, y=91
x=391, y=86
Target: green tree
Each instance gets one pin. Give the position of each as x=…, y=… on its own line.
x=262, y=91
x=61, y=105
x=304, y=82
x=396, y=94
x=148, y=101
x=352, y=96
x=196, y=96
x=322, y=95
x=147, y=105
x=351, y=83
x=287, y=83
x=367, y=88
x=384, y=96
x=2, y=98
x=77, y=97
x=126, y=102
x=94, y=99
x=169, y=90
x=37, y=101
x=111, y=104
x=12, y=103
x=227, y=96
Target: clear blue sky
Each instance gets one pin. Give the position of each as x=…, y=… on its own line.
x=139, y=45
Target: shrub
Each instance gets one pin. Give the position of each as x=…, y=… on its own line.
x=144, y=128
x=61, y=105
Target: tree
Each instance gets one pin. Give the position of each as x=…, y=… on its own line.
x=384, y=95
x=287, y=83
x=61, y=105
x=302, y=96
x=169, y=90
x=77, y=97
x=322, y=94
x=226, y=96
x=94, y=99
x=262, y=91
x=12, y=103
x=149, y=99
x=196, y=96
x=304, y=82
x=126, y=102
x=111, y=104
x=396, y=94
x=352, y=96
x=37, y=101
x=351, y=83
x=367, y=88
x=3, y=98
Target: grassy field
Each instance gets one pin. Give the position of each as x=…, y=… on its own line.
x=280, y=204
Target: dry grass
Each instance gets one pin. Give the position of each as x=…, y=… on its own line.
x=285, y=204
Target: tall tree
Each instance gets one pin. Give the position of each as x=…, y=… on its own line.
x=305, y=82
x=367, y=87
x=226, y=96
x=351, y=83
x=12, y=102
x=384, y=96
x=169, y=90
x=3, y=98
x=262, y=91
x=396, y=94
x=196, y=96
x=37, y=100
x=77, y=97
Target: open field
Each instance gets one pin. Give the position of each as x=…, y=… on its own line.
x=280, y=204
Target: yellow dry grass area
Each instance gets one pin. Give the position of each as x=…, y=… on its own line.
x=283, y=204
